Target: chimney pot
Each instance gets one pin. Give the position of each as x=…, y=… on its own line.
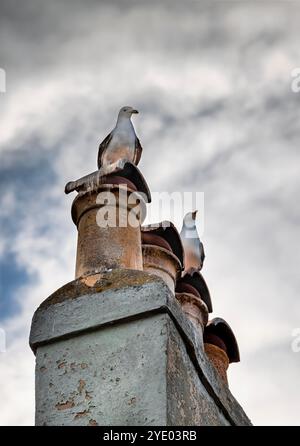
x=118, y=192
x=162, y=252
x=195, y=309
x=220, y=346
x=193, y=282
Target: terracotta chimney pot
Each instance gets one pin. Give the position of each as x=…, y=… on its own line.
x=220, y=346
x=193, y=295
x=162, y=263
x=194, y=308
x=162, y=252
x=219, y=359
x=192, y=282
x=108, y=212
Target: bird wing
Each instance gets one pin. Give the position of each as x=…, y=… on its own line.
x=102, y=147
x=138, y=151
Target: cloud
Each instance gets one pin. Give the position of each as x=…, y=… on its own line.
x=212, y=82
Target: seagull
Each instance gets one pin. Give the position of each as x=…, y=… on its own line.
x=122, y=141
x=193, y=247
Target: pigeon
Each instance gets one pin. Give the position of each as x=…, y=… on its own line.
x=193, y=247
x=122, y=141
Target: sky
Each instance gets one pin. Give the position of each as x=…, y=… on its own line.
x=212, y=81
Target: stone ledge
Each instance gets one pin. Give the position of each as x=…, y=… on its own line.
x=98, y=283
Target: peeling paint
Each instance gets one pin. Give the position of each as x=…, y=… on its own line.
x=88, y=395
x=132, y=401
x=66, y=405
x=84, y=413
x=93, y=423
x=81, y=386
x=61, y=365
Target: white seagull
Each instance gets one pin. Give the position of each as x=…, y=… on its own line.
x=122, y=141
x=193, y=247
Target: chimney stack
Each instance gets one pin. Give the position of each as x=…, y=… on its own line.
x=127, y=342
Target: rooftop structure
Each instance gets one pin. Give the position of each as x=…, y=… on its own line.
x=128, y=341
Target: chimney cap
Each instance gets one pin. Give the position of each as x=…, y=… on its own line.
x=167, y=231
x=194, y=278
x=220, y=328
x=122, y=168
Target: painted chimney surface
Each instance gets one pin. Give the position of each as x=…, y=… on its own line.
x=123, y=353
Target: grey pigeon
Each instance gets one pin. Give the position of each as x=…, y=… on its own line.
x=122, y=141
x=193, y=247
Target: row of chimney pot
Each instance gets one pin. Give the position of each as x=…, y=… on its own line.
x=156, y=249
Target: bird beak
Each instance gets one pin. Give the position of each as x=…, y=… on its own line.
x=134, y=111
x=194, y=215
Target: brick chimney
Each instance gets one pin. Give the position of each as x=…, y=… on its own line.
x=117, y=345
